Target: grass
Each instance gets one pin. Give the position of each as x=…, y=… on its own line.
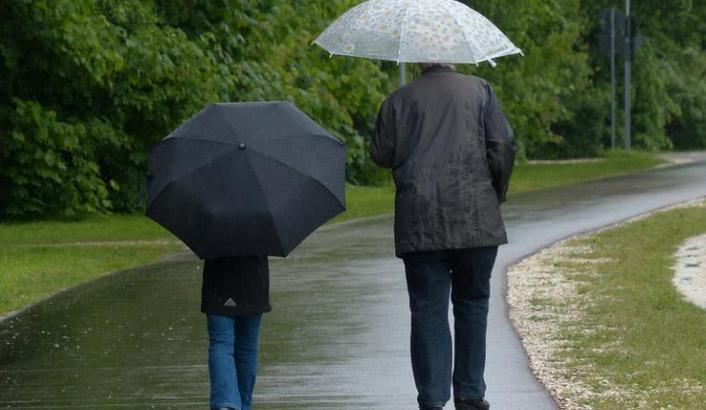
x=527, y=177
x=39, y=258
x=365, y=201
x=638, y=336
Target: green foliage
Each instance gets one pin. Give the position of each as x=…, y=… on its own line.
x=267, y=47
x=535, y=88
x=547, y=94
x=654, y=106
x=341, y=93
x=687, y=88
x=668, y=95
x=90, y=85
x=54, y=169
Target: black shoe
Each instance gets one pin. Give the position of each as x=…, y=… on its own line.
x=431, y=408
x=471, y=404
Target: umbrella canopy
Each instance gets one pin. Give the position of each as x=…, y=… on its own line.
x=422, y=31
x=246, y=179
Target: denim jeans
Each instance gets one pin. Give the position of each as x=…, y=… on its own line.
x=232, y=360
x=431, y=276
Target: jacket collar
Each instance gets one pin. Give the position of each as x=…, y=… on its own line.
x=438, y=69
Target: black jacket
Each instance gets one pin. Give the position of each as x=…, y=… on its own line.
x=451, y=152
x=236, y=286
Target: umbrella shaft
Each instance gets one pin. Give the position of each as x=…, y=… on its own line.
x=403, y=74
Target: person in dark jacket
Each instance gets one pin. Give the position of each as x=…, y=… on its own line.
x=234, y=296
x=451, y=152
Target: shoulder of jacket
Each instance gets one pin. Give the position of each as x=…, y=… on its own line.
x=400, y=92
x=485, y=85
x=474, y=80
x=480, y=80
x=393, y=98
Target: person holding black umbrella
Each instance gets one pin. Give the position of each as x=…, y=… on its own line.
x=238, y=182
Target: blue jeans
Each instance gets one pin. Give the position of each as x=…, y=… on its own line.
x=232, y=360
x=431, y=276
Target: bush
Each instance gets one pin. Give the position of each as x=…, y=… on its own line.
x=91, y=86
x=687, y=88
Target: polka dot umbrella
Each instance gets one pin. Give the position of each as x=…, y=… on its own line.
x=408, y=31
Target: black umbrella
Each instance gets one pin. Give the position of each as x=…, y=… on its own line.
x=245, y=179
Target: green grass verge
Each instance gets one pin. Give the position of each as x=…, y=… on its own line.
x=638, y=336
x=39, y=258
x=527, y=177
x=365, y=201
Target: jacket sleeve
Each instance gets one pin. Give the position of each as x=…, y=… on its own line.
x=382, y=146
x=499, y=144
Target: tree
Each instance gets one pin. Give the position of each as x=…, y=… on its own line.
x=90, y=85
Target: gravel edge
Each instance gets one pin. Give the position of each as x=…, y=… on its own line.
x=538, y=277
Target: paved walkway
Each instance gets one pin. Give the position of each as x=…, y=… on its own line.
x=337, y=338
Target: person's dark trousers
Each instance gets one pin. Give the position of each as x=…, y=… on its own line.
x=431, y=277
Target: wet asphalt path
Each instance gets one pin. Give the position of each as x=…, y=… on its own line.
x=337, y=339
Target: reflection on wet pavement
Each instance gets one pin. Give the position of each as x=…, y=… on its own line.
x=337, y=337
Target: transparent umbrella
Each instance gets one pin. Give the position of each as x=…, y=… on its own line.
x=416, y=31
